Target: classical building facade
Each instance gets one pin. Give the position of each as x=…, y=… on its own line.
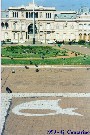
x=17, y=24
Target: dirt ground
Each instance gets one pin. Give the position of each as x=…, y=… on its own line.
x=47, y=80
x=40, y=125
x=79, y=48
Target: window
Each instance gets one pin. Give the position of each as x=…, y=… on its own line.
x=80, y=36
x=57, y=36
x=13, y=14
x=41, y=27
x=89, y=26
x=46, y=15
x=84, y=36
x=30, y=29
x=14, y=24
x=80, y=26
x=85, y=26
x=22, y=26
x=48, y=26
x=72, y=36
x=72, y=27
x=50, y=15
x=17, y=14
x=48, y=32
x=89, y=37
x=14, y=36
x=26, y=14
x=40, y=14
x=6, y=35
x=2, y=24
x=29, y=15
x=6, y=25
x=26, y=35
x=64, y=36
x=36, y=15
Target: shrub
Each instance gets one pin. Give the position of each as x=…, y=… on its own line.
x=82, y=42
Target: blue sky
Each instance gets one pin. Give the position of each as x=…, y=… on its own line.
x=59, y=4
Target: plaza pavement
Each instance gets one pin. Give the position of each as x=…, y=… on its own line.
x=60, y=88
x=79, y=48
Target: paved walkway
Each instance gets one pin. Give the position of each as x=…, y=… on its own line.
x=54, y=99
x=42, y=114
x=78, y=48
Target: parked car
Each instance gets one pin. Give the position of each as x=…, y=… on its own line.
x=51, y=42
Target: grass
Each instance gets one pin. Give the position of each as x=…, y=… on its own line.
x=40, y=51
x=80, y=60
x=32, y=52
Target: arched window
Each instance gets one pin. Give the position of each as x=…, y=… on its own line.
x=84, y=36
x=89, y=37
x=2, y=24
x=6, y=25
x=30, y=29
x=80, y=36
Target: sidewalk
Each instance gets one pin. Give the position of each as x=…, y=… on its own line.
x=79, y=48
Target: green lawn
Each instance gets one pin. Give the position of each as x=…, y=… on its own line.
x=80, y=60
x=32, y=52
x=9, y=53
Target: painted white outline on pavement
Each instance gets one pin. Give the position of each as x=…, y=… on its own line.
x=7, y=97
x=43, y=105
x=87, y=95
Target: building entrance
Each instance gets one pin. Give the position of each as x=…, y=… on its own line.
x=29, y=33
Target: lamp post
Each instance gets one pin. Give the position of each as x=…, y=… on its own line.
x=33, y=24
x=45, y=37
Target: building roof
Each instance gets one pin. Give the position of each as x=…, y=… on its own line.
x=31, y=6
x=66, y=15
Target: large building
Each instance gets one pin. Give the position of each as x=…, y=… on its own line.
x=17, y=24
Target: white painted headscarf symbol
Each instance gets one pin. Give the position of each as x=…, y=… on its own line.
x=43, y=105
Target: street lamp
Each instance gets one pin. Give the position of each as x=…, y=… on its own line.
x=33, y=24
